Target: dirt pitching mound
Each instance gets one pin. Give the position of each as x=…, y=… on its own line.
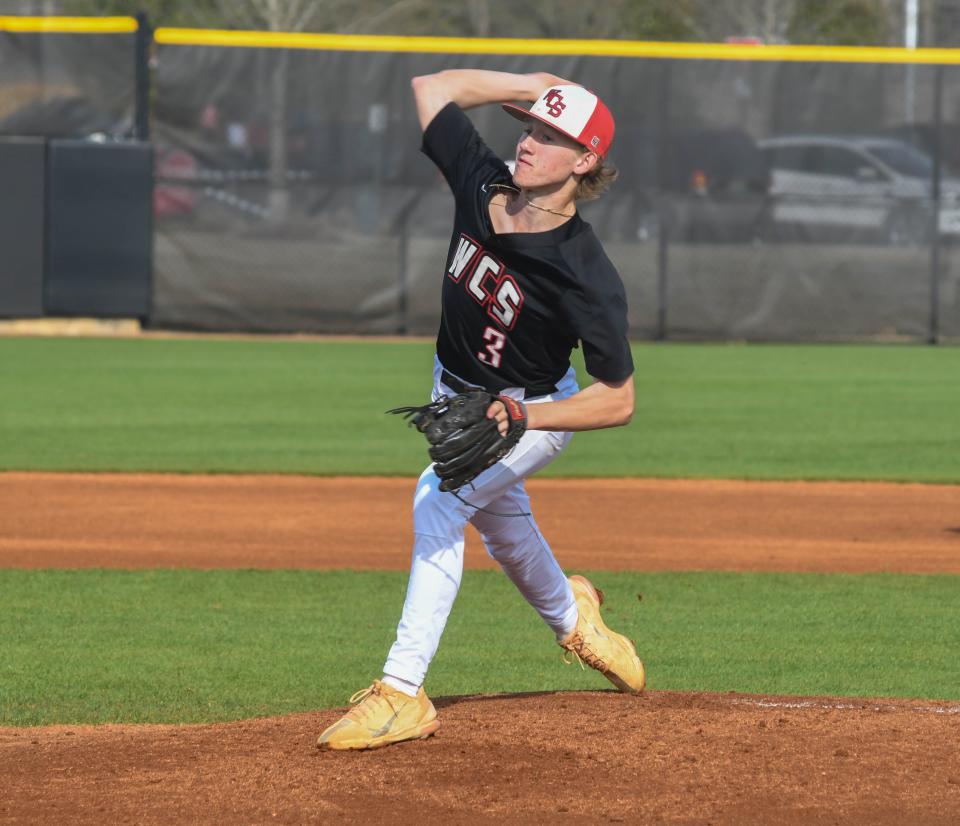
x=548, y=758
x=584, y=757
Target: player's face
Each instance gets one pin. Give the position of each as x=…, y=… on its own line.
x=545, y=157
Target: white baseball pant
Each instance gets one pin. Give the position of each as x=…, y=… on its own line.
x=515, y=542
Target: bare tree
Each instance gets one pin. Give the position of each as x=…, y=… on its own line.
x=867, y=22
x=274, y=16
x=767, y=20
x=479, y=11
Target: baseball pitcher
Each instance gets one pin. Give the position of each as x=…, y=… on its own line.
x=525, y=281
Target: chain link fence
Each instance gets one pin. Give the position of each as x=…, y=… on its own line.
x=800, y=200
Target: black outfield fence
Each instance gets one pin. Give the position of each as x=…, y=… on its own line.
x=76, y=205
x=766, y=193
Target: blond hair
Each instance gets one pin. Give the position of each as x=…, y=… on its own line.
x=597, y=181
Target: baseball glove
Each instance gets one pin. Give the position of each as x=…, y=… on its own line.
x=463, y=441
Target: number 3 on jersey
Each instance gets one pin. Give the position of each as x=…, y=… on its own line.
x=493, y=353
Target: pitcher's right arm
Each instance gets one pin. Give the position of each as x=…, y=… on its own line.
x=475, y=87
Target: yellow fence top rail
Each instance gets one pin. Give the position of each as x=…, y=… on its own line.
x=598, y=48
x=75, y=25
x=485, y=45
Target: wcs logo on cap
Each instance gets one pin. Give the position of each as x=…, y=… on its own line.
x=553, y=100
x=576, y=112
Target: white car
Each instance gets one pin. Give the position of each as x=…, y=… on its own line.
x=848, y=187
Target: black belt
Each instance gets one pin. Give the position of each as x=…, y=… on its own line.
x=460, y=386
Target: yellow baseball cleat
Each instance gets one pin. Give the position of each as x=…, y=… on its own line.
x=591, y=642
x=381, y=716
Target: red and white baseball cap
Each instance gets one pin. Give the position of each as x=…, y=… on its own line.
x=576, y=112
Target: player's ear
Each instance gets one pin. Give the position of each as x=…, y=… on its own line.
x=587, y=161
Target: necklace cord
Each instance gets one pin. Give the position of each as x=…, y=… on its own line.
x=547, y=209
x=531, y=203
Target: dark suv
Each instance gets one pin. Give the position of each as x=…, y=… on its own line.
x=698, y=185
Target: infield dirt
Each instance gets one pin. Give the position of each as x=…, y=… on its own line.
x=585, y=757
x=145, y=521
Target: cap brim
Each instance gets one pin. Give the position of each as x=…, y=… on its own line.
x=522, y=114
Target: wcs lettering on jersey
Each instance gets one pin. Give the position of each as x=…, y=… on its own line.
x=515, y=304
x=486, y=281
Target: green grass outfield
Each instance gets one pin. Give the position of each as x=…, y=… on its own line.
x=93, y=646
x=190, y=646
x=756, y=412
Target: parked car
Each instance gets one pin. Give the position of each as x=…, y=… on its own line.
x=174, y=190
x=719, y=185
x=923, y=136
x=856, y=188
x=697, y=185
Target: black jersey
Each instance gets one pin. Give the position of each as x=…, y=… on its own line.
x=514, y=305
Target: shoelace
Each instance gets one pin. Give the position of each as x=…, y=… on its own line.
x=583, y=654
x=359, y=700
